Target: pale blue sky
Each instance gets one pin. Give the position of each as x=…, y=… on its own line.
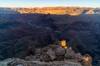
x=46, y=3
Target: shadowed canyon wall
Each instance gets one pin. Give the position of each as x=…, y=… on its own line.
x=20, y=31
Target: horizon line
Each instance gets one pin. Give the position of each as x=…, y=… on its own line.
x=45, y=6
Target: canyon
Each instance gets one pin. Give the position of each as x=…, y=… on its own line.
x=21, y=28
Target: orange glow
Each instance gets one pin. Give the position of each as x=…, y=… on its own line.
x=86, y=58
x=63, y=44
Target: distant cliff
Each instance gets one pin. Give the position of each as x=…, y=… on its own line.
x=56, y=10
x=8, y=11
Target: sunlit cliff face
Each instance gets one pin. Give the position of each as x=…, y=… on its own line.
x=90, y=12
x=63, y=44
x=73, y=11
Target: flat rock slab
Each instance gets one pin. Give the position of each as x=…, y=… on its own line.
x=19, y=62
x=55, y=64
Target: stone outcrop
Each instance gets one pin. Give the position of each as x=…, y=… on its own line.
x=20, y=62
x=53, y=55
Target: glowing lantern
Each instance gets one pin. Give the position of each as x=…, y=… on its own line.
x=63, y=44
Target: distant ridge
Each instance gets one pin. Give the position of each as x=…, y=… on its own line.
x=8, y=10
x=73, y=11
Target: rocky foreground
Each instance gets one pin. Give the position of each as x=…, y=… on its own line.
x=53, y=55
x=20, y=62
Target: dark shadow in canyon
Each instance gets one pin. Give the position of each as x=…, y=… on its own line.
x=20, y=32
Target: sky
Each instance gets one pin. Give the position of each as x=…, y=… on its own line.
x=49, y=3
